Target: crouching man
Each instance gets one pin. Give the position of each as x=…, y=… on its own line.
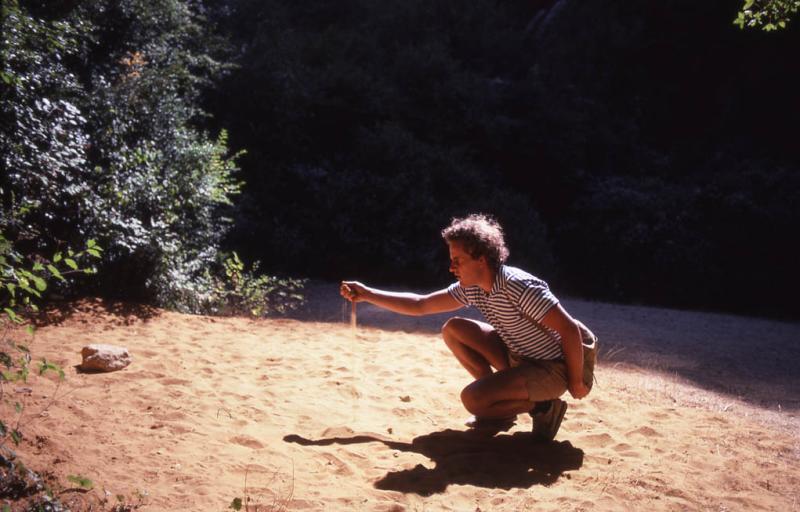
x=527, y=353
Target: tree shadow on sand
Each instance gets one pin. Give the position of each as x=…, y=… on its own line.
x=469, y=458
x=110, y=311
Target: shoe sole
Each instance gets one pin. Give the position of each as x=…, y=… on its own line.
x=491, y=424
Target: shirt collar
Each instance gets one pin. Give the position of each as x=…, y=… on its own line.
x=499, y=280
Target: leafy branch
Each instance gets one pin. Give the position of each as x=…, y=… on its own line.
x=22, y=283
x=768, y=15
x=244, y=291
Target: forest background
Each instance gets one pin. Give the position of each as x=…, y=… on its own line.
x=634, y=152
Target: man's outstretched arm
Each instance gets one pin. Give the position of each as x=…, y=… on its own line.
x=400, y=302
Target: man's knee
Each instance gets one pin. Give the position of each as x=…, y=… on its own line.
x=470, y=397
x=454, y=326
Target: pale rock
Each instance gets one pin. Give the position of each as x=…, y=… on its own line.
x=104, y=358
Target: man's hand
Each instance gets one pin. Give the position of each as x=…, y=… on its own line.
x=578, y=389
x=353, y=291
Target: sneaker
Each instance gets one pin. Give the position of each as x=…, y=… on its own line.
x=481, y=423
x=547, y=423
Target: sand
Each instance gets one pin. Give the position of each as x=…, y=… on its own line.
x=691, y=411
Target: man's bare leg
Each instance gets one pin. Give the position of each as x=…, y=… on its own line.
x=478, y=348
x=499, y=395
x=476, y=345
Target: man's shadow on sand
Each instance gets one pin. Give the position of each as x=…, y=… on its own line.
x=469, y=458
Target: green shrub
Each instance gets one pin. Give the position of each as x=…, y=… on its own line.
x=23, y=281
x=239, y=291
x=102, y=142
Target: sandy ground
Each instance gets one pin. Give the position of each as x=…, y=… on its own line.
x=691, y=411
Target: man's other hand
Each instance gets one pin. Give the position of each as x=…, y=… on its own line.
x=578, y=389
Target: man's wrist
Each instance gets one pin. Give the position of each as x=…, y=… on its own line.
x=574, y=382
x=368, y=294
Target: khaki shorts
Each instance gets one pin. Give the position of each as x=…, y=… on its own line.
x=547, y=380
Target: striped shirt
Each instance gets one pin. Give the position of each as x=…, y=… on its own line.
x=516, y=296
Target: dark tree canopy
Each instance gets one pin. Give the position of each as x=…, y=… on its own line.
x=642, y=152
x=636, y=153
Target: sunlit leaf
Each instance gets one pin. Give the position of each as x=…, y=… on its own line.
x=48, y=366
x=40, y=283
x=12, y=315
x=53, y=270
x=80, y=481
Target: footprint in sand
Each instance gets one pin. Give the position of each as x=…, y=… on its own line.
x=169, y=416
x=155, y=367
x=175, y=382
x=151, y=477
x=148, y=375
x=622, y=447
x=348, y=391
x=405, y=413
x=247, y=441
x=236, y=396
x=337, y=432
x=658, y=415
x=254, y=469
x=179, y=429
x=77, y=411
x=339, y=467
x=626, y=450
x=598, y=440
x=645, y=431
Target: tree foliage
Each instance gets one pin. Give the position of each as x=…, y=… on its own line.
x=100, y=140
x=377, y=119
x=367, y=125
x=615, y=152
x=766, y=14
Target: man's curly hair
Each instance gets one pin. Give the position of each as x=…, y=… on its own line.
x=480, y=235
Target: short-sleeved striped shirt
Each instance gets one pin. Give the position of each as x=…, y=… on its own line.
x=516, y=296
